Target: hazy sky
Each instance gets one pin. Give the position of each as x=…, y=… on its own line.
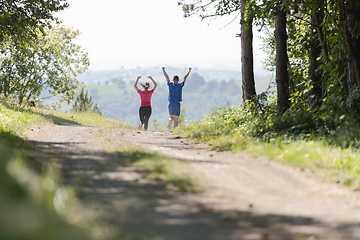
x=149, y=33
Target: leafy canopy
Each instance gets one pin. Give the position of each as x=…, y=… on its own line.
x=51, y=61
x=22, y=17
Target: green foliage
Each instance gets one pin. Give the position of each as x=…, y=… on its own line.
x=220, y=8
x=182, y=116
x=158, y=127
x=84, y=103
x=49, y=62
x=330, y=144
x=336, y=35
x=338, y=90
x=20, y=18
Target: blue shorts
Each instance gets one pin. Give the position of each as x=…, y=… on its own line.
x=174, y=108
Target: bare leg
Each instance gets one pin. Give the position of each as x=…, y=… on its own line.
x=176, y=121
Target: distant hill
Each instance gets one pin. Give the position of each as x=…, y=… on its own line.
x=105, y=77
x=205, y=89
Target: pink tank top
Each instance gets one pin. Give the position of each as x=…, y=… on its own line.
x=145, y=97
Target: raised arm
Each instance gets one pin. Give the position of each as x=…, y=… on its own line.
x=136, y=83
x=165, y=74
x=187, y=74
x=153, y=81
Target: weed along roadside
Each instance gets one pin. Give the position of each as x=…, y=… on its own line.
x=111, y=181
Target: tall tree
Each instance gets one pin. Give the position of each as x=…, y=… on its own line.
x=247, y=56
x=84, y=103
x=316, y=36
x=221, y=8
x=314, y=51
x=282, y=75
x=21, y=17
x=50, y=61
x=349, y=14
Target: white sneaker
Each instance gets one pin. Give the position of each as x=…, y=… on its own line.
x=170, y=124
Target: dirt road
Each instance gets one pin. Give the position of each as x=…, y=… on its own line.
x=245, y=198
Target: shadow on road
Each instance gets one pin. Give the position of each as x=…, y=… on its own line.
x=147, y=210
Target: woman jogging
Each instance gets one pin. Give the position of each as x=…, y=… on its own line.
x=145, y=105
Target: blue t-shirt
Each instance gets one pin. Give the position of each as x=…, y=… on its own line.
x=175, y=91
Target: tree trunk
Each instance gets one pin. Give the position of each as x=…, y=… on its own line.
x=349, y=21
x=351, y=82
x=316, y=92
x=247, y=57
x=282, y=76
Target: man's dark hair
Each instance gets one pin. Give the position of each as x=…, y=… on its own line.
x=176, y=77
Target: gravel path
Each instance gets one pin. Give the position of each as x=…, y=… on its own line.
x=245, y=198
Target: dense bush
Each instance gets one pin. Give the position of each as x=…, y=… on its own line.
x=261, y=120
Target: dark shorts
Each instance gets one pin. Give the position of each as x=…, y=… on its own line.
x=174, y=108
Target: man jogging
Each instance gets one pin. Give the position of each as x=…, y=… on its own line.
x=175, y=97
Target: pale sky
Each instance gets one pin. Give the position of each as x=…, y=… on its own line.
x=150, y=33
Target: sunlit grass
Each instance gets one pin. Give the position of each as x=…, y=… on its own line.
x=93, y=119
x=336, y=164
x=34, y=204
x=333, y=163
x=172, y=173
x=19, y=120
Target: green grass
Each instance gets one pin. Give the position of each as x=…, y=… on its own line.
x=332, y=163
x=316, y=154
x=33, y=202
x=19, y=119
x=172, y=173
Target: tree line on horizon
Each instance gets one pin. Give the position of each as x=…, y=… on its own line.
x=118, y=99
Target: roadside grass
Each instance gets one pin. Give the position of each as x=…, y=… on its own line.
x=318, y=155
x=172, y=173
x=33, y=202
x=335, y=164
x=21, y=119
